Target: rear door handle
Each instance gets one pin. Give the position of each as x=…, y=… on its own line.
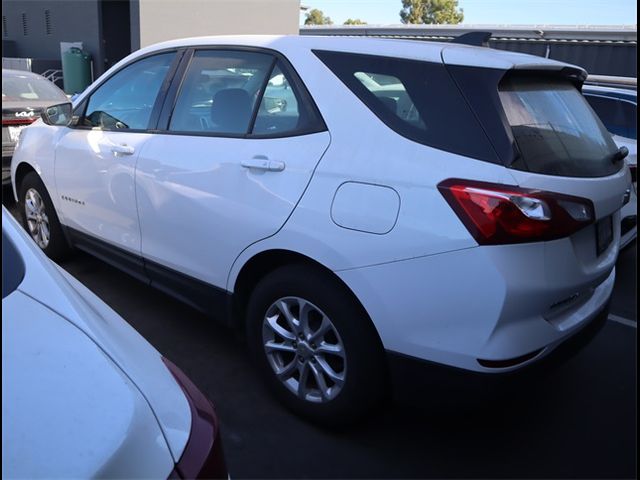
x=263, y=163
x=122, y=149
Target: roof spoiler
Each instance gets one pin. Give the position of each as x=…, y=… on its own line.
x=477, y=39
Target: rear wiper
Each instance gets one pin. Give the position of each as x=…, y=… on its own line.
x=620, y=154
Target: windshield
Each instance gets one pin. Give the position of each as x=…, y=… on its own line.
x=555, y=129
x=27, y=87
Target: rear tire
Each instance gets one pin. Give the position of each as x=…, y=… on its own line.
x=325, y=362
x=40, y=219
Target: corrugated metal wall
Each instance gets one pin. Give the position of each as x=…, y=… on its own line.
x=599, y=50
x=599, y=58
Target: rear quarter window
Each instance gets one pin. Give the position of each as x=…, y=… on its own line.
x=416, y=99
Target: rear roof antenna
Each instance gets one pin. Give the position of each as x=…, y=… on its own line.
x=477, y=39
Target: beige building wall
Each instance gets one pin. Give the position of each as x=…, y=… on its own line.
x=162, y=20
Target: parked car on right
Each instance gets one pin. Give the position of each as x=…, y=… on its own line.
x=617, y=107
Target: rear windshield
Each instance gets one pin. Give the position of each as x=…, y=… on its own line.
x=416, y=99
x=555, y=129
x=28, y=87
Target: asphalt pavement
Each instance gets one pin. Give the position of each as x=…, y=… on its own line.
x=576, y=421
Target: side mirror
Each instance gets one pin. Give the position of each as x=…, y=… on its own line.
x=58, y=115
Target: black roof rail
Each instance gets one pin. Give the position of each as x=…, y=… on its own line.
x=477, y=39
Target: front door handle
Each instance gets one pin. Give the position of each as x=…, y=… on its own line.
x=122, y=150
x=264, y=164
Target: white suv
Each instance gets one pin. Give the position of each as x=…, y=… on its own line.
x=342, y=200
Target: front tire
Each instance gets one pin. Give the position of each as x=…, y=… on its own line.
x=40, y=219
x=315, y=345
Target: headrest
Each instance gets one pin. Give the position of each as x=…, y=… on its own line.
x=231, y=110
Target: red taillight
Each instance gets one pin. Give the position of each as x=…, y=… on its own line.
x=498, y=214
x=18, y=121
x=203, y=456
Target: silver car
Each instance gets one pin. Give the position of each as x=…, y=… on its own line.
x=24, y=95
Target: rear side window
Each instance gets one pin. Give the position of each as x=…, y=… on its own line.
x=556, y=131
x=236, y=93
x=618, y=116
x=416, y=99
x=284, y=109
x=219, y=92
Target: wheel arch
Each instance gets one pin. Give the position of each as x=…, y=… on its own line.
x=265, y=262
x=21, y=171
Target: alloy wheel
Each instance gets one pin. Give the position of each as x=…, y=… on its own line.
x=37, y=219
x=304, y=349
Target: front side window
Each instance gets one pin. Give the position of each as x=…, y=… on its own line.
x=556, y=131
x=618, y=116
x=126, y=100
x=219, y=92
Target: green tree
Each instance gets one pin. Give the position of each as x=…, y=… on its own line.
x=357, y=21
x=431, y=11
x=316, y=17
x=412, y=11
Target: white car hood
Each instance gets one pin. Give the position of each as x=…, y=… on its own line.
x=64, y=295
x=67, y=410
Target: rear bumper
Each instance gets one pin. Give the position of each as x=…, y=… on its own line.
x=486, y=309
x=418, y=375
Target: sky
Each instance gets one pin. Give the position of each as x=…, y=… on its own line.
x=511, y=12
